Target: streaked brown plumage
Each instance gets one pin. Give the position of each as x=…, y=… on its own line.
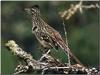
x=46, y=35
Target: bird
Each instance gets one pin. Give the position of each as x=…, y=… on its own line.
x=47, y=36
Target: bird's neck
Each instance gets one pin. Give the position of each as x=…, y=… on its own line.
x=35, y=17
x=38, y=21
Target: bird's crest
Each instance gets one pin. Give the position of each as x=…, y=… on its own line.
x=35, y=6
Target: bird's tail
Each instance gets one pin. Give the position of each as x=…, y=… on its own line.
x=67, y=50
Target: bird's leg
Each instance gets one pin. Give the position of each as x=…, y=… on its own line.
x=44, y=55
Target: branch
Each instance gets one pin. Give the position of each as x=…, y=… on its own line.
x=31, y=63
x=67, y=14
x=47, y=63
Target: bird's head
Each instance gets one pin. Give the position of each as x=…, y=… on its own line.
x=34, y=10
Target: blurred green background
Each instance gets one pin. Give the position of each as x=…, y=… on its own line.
x=82, y=31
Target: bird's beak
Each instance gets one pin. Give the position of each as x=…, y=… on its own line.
x=27, y=10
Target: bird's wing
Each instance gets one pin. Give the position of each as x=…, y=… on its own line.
x=49, y=40
x=60, y=42
x=56, y=37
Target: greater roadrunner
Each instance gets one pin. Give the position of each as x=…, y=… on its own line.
x=46, y=35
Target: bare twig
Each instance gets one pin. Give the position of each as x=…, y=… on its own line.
x=44, y=55
x=49, y=63
x=69, y=62
x=67, y=14
x=91, y=6
x=25, y=56
x=21, y=68
x=71, y=11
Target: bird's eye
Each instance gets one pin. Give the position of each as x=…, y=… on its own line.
x=33, y=10
x=34, y=28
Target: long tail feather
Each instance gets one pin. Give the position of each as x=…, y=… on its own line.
x=67, y=50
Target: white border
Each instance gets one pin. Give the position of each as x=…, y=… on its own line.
x=50, y=0
x=0, y=36
x=41, y=0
